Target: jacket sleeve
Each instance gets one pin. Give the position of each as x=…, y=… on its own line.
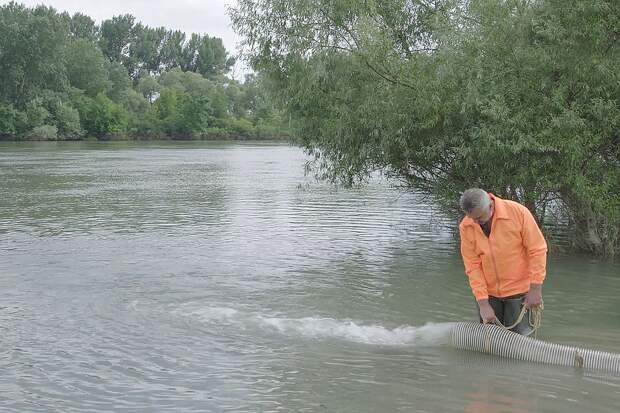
x=536, y=248
x=473, y=267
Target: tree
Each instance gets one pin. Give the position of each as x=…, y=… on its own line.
x=116, y=36
x=62, y=77
x=196, y=114
x=212, y=59
x=67, y=121
x=443, y=95
x=87, y=67
x=167, y=111
x=171, y=52
x=101, y=117
x=12, y=122
x=32, y=42
x=145, y=50
x=83, y=27
x=119, y=80
x=149, y=88
x=141, y=120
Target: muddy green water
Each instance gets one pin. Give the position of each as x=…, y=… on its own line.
x=216, y=277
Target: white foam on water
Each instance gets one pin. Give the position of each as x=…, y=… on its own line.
x=430, y=334
x=209, y=314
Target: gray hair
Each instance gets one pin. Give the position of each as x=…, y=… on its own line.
x=474, y=198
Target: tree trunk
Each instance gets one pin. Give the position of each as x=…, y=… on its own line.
x=593, y=233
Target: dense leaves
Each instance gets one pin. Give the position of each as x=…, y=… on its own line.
x=519, y=97
x=64, y=77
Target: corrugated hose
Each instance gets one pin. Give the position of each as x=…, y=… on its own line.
x=499, y=341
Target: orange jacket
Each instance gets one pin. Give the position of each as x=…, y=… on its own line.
x=512, y=257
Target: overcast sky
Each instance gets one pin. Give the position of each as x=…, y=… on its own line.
x=190, y=16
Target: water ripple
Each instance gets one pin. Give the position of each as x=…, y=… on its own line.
x=217, y=277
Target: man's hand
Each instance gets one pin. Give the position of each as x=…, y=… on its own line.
x=533, y=298
x=486, y=312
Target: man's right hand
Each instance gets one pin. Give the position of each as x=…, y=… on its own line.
x=486, y=312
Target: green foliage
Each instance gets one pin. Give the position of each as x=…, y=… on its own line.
x=141, y=121
x=101, y=117
x=11, y=121
x=242, y=128
x=182, y=115
x=149, y=87
x=119, y=80
x=82, y=27
x=36, y=113
x=134, y=102
x=87, y=68
x=143, y=50
x=167, y=111
x=207, y=56
x=64, y=77
x=196, y=114
x=171, y=52
x=518, y=97
x=67, y=121
x=116, y=35
x=31, y=58
x=42, y=133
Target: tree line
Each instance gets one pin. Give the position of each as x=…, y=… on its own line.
x=65, y=77
x=519, y=97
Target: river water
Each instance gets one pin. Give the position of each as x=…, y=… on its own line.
x=216, y=277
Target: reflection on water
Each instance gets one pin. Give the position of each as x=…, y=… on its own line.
x=217, y=277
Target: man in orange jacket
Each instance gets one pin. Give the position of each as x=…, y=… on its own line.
x=505, y=257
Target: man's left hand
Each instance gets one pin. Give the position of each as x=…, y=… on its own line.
x=533, y=298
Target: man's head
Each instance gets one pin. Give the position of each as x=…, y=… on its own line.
x=476, y=203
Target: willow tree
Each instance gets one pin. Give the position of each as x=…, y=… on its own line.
x=519, y=97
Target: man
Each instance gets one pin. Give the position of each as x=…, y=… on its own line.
x=505, y=257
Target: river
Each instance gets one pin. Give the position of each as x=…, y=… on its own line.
x=217, y=277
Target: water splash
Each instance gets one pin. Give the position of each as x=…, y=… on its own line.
x=215, y=314
x=430, y=334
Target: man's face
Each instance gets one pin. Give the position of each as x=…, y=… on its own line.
x=482, y=215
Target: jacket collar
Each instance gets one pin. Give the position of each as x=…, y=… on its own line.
x=498, y=213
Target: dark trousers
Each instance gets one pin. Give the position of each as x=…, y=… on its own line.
x=507, y=311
